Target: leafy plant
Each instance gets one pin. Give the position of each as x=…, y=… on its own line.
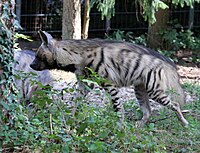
x=93, y=77
x=150, y=7
x=183, y=39
x=107, y=8
x=7, y=88
x=183, y=2
x=127, y=36
x=120, y=35
x=177, y=39
x=22, y=36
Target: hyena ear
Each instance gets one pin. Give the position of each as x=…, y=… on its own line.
x=45, y=37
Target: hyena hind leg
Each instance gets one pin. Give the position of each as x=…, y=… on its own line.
x=176, y=108
x=143, y=100
x=166, y=101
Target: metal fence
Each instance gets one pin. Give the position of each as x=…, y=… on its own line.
x=39, y=14
x=185, y=16
x=47, y=15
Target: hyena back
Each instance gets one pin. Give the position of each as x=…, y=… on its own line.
x=122, y=64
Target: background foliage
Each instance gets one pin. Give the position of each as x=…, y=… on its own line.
x=107, y=8
x=149, y=7
x=8, y=96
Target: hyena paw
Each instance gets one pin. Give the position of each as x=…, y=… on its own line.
x=185, y=123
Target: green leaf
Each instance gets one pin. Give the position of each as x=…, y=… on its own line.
x=161, y=5
x=5, y=105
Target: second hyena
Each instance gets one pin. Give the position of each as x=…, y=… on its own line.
x=24, y=83
x=122, y=64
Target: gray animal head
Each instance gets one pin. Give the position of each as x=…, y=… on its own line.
x=44, y=57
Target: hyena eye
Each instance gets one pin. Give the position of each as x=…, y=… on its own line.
x=45, y=58
x=37, y=56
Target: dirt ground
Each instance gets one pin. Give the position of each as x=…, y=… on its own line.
x=191, y=74
x=187, y=69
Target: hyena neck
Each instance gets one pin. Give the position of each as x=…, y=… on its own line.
x=66, y=55
x=65, y=59
x=70, y=67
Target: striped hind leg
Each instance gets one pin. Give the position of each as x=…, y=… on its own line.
x=161, y=97
x=176, y=108
x=143, y=99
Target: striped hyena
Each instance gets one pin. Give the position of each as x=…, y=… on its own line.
x=122, y=64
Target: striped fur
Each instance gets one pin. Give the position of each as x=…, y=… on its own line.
x=122, y=64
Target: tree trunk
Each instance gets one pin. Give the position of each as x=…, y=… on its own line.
x=154, y=39
x=71, y=22
x=86, y=19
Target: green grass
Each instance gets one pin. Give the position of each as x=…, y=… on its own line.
x=45, y=126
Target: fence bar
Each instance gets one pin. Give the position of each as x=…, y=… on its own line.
x=18, y=10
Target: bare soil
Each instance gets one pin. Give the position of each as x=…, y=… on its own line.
x=189, y=73
x=188, y=69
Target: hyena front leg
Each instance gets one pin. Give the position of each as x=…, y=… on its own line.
x=143, y=100
x=80, y=93
x=82, y=89
x=115, y=96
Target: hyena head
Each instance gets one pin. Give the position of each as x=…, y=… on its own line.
x=44, y=58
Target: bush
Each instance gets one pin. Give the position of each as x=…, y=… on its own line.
x=128, y=36
x=177, y=40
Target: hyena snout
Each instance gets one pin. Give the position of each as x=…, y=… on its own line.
x=37, y=65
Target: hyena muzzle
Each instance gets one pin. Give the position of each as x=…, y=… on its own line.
x=122, y=64
x=23, y=60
